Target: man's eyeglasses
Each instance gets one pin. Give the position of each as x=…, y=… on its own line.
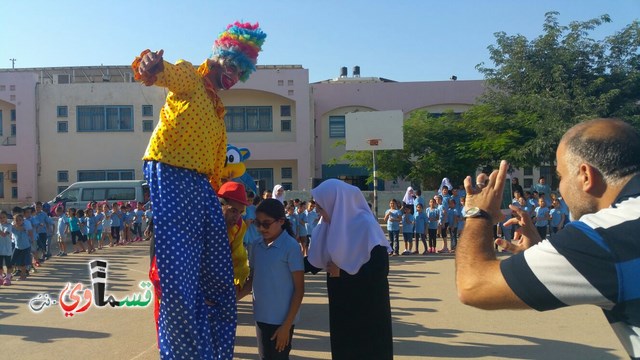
x=264, y=224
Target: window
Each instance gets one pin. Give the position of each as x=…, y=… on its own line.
x=262, y=175
x=290, y=92
x=1, y=185
x=62, y=188
x=285, y=110
x=63, y=176
x=290, y=82
x=147, y=125
x=528, y=171
x=13, y=130
x=0, y=122
x=14, y=192
x=63, y=111
x=14, y=176
x=286, y=173
x=248, y=118
x=3, y=87
x=336, y=126
x=280, y=82
x=147, y=110
x=68, y=195
x=12, y=88
x=63, y=126
x=100, y=175
x=285, y=125
x=287, y=186
x=105, y=118
x=13, y=114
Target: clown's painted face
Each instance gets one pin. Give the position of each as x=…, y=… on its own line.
x=223, y=74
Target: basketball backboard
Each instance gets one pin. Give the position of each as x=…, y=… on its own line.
x=374, y=130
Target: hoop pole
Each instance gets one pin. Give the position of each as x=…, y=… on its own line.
x=375, y=185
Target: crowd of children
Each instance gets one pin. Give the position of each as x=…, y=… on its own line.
x=26, y=237
x=443, y=218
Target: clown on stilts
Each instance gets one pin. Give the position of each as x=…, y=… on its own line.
x=192, y=270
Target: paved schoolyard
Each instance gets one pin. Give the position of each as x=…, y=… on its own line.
x=428, y=320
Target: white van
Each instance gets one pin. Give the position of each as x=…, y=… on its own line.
x=79, y=194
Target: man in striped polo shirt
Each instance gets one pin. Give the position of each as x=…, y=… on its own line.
x=595, y=259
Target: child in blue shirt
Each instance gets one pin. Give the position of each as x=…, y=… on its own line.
x=393, y=217
x=433, y=216
x=312, y=218
x=22, y=253
x=557, y=216
x=6, y=249
x=420, y=228
x=92, y=226
x=137, y=222
x=541, y=218
x=277, y=281
x=302, y=227
x=407, y=230
x=452, y=225
x=62, y=229
x=293, y=219
x=116, y=223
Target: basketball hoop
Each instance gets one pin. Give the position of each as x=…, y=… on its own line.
x=373, y=142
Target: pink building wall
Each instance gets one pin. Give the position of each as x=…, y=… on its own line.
x=25, y=153
x=405, y=96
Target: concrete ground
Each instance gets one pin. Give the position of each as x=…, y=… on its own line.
x=428, y=320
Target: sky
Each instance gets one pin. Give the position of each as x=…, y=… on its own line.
x=401, y=40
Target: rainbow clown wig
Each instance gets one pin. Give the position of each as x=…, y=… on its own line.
x=240, y=43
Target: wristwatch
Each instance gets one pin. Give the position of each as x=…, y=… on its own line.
x=476, y=212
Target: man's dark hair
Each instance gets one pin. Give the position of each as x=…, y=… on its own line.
x=616, y=154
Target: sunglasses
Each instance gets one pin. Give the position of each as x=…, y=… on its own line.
x=264, y=224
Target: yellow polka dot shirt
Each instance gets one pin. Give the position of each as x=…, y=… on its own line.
x=191, y=133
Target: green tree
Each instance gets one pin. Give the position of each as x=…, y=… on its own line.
x=540, y=88
x=434, y=147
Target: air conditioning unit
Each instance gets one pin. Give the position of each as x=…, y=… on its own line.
x=64, y=79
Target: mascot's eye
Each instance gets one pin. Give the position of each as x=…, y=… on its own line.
x=233, y=156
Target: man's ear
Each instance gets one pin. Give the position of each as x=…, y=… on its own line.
x=591, y=180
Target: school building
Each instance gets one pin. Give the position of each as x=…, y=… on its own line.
x=59, y=125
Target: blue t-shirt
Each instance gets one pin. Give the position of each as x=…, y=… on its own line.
x=271, y=267
x=99, y=221
x=138, y=214
x=407, y=223
x=433, y=215
x=91, y=224
x=443, y=213
x=74, y=224
x=556, y=217
x=416, y=201
x=83, y=225
x=452, y=213
x=5, y=241
x=40, y=221
x=149, y=213
x=293, y=219
x=116, y=218
x=420, y=222
x=302, y=227
x=312, y=220
x=20, y=238
x=541, y=216
x=252, y=234
x=393, y=214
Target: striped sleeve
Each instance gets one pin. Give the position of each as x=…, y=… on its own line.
x=570, y=269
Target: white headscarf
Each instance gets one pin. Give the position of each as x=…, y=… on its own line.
x=274, y=193
x=408, y=196
x=352, y=232
x=447, y=183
